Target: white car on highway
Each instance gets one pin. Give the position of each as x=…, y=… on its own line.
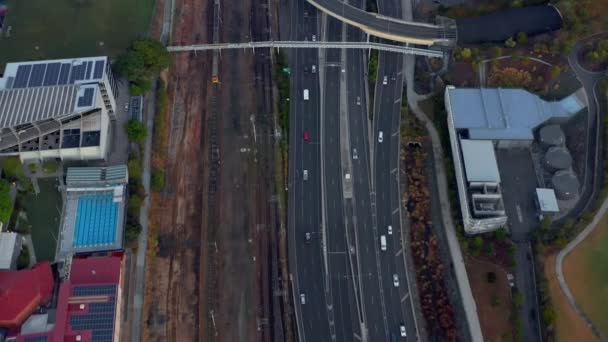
x=380, y=137
x=402, y=330
x=389, y=230
x=355, y=155
x=395, y=280
x=302, y=298
x=385, y=80
x=305, y=174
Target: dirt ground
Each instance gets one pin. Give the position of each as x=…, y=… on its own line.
x=493, y=300
x=210, y=278
x=569, y=327
x=172, y=291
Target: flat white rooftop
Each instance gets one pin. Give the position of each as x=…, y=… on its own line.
x=7, y=249
x=480, y=161
x=547, y=200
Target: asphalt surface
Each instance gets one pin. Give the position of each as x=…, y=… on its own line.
x=379, y=23
x=306, y=261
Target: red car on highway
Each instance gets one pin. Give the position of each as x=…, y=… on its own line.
x=306, y=135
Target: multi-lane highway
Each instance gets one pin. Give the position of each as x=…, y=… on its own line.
x=306, y=258
x=387, y=111
x=344, y=275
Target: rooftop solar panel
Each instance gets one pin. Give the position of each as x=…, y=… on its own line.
x=87, y=98
x=94, y=290
x=64, y=73
x=37, y=75
x=102, y=307
x=52, y=74
x=98, y=69
x=42, y=338
x=23, y=75
x=87, y=69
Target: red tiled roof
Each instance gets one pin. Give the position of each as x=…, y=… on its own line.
x=95, y=270
x=21, y=292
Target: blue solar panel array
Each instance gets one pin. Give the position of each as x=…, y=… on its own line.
x=87, y=98
x=42, y=338
x=96, y=220
x=100, y=318
x=94, y=290
x=56, y=73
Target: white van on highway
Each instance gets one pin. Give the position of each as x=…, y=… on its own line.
x=382, y=242
x=306, y=94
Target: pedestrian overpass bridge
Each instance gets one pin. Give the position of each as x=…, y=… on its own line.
x=429, y=52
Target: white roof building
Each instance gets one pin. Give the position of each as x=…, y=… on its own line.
x=547, y=201
x=10, y=247
x=57, y=108
x=480, y=161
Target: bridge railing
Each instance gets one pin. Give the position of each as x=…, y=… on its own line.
x=310, y=45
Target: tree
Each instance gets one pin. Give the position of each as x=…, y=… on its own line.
x=556, y=71
x=12, y=168
x=132, y=231
x=497, y=51
x=510, y=43
x=6, y=204
x=158, y=180
x=144, y=59
x=136, y=131
x=134, y=167
x=135, y=203
x=549, y=315
x=500, y=234
x=522, y=37
x=466, y=53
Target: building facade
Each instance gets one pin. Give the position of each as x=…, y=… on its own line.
x=57, y=109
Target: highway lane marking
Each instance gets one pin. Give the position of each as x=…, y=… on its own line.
x=519, y=215
x=394, y=170
x=357, y=337
x=397, y=100
x=404, y=298
x=396, y=211
x=399, y=252
x=395, y=134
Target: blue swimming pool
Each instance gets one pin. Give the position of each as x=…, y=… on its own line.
x=96, y=220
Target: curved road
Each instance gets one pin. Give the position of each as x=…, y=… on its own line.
x=589, y=80
x=387, y=27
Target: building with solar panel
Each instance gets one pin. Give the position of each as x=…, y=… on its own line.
x=93, y=211
x=57, y=109
x=88, y=305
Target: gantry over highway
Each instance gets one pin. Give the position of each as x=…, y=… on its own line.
x=442, y=33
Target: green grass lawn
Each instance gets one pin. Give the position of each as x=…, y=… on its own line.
x=586, y=270
x=43, y=214
x=72, y=28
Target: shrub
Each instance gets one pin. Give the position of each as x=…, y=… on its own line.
x=134, y=205
x=132, y=231
x=12, y=168
x=136, y=131
x=510, y=43
x=522, y=38
x=6, y=204
x=50, y=166
x=158, y=180
x=500, y=234
x=466, y=53
x=134, y=167
x=23, y=261
x=556, y=71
